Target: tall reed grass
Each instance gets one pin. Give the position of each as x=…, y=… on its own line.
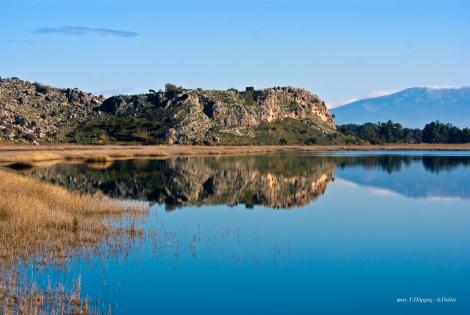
x=46, y=224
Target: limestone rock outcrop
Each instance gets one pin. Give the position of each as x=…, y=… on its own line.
x=35, y=113
x=202, y=115
x=32, y=112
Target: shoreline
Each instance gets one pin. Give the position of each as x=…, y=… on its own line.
x=102, y=153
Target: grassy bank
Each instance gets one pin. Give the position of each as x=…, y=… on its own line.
x=38, y=218
x=46, y=224
x=35, y=154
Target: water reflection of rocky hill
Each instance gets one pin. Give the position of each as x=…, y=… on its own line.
x=277, y=182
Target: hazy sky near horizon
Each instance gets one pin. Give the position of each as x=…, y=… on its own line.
x=340, y=50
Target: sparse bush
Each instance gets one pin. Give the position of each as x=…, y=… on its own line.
x=311, y=141
x=293, y=106
x=169, y=87
x=41, y=88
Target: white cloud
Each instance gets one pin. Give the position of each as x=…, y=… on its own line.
x=80, y=30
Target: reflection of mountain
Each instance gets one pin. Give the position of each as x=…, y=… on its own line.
x=277, y=182
x=417, y=177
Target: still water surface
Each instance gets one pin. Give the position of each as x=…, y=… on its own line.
x=282, y=234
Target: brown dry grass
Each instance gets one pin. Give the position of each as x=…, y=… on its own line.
x=46, y=224
x=34, y=154
x=38, y=218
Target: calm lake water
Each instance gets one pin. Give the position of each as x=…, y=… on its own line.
x=344, y=233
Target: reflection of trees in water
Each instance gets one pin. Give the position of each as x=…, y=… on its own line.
x=437, y=164
x=386, y=163
x=395, y=163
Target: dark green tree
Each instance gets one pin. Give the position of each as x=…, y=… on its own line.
x=170, y=87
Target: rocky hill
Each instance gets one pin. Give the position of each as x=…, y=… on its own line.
x=32, y=112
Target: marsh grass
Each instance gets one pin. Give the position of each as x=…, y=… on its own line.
x=20, y=296
x=104, y=153
x=44, y=224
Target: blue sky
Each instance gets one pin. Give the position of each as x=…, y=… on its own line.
x=340, y=50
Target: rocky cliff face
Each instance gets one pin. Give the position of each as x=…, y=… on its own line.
x=32, y=112
x=195, y=116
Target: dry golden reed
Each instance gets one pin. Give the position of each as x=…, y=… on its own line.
x=46, y=224
x=38, y=218
x=104, y=153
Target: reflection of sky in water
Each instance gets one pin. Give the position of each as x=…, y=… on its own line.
x=354, y=250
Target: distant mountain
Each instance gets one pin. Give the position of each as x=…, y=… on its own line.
x=412, y=107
